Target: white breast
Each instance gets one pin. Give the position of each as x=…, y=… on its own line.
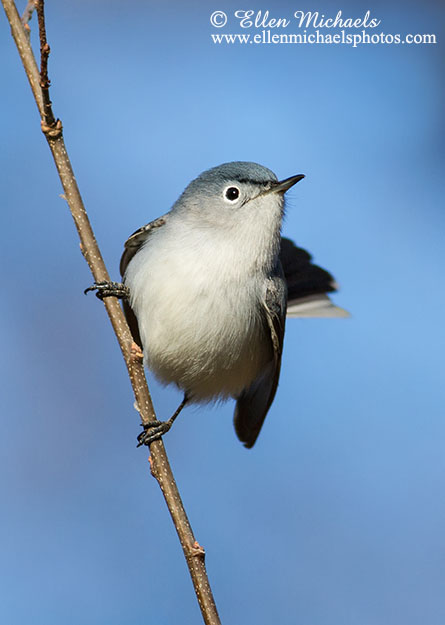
x=199, y=312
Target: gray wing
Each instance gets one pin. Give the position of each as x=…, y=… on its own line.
x=131, y=247
x=254, y=402
x=134, y=242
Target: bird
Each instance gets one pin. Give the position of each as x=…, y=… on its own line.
x=208, y=286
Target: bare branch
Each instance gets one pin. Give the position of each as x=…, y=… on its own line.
x=49, y=119
x=160, y=466
x=21, y=39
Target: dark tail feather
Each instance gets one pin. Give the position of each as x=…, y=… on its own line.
x=252, y=406
x=302, y=276
x=307, y=284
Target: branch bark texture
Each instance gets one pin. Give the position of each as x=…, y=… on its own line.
x=160, y=467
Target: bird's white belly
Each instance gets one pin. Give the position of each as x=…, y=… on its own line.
x=201, y=332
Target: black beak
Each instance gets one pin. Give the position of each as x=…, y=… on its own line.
x=284, y=185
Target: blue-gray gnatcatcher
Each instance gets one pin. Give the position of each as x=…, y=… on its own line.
x=210, y=284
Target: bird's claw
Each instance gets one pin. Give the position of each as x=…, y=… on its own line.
x=109, y=289
x=153, y=431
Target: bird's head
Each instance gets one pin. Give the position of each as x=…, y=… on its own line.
x=233, y=193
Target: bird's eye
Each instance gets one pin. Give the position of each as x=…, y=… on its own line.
x=231, y=194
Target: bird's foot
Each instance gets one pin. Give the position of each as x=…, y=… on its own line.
x=109, y=289
x=153, y=431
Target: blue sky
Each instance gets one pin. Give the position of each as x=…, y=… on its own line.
x=337, y=515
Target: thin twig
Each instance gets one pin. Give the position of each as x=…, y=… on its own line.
x=27, y=15
x=160, y=466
